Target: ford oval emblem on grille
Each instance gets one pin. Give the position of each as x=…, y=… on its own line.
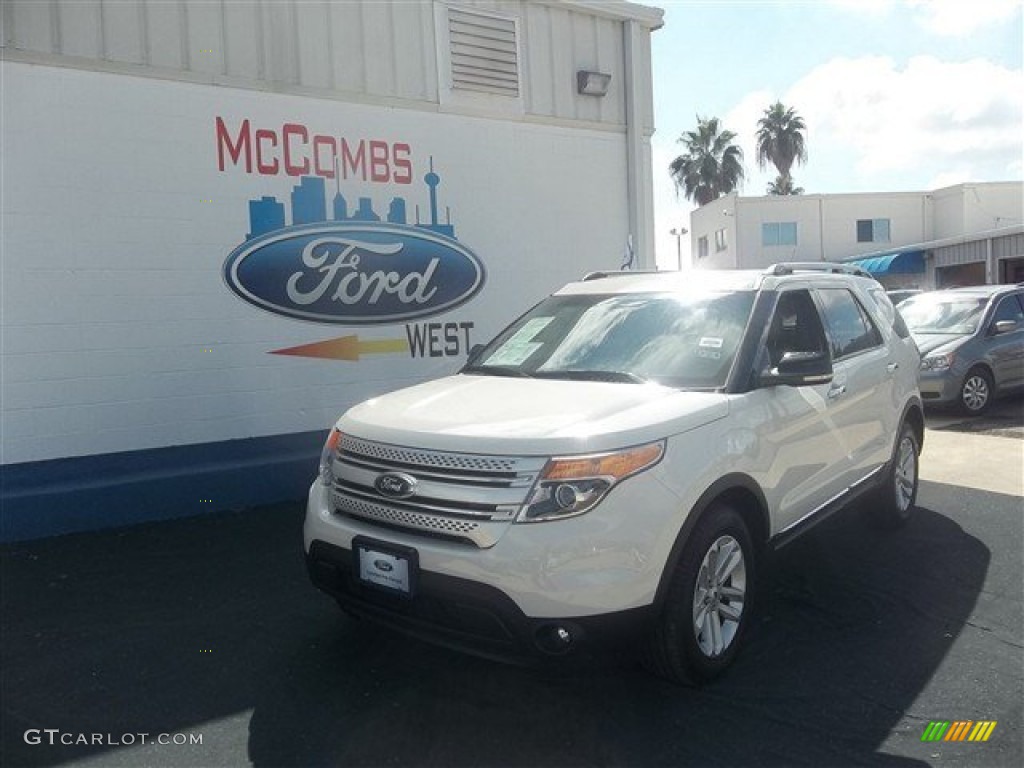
x=396, y=485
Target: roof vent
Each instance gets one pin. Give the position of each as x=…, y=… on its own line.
x=484, y=52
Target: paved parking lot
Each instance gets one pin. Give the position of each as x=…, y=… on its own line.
x=208, y=627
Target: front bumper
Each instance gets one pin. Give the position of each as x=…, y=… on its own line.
x=473, y=617
x=941, y=387
x=594, y=576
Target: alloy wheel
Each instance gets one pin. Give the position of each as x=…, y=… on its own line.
x=905, y=474
x=719, y=596
x=975, y=392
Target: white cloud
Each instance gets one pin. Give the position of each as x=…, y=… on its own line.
x=945, y=18
x=959, y=18
x=742, y=120
x=950, y=177
x=930, y=113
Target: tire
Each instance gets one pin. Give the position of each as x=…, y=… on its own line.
x=976, y=392
x=676, y=649
x=893, y=502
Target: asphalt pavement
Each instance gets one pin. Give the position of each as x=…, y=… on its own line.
x=208, y=628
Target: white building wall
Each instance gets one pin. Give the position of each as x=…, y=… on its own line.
x=977, y=208
x=119, y=333
x=827, y=224
x=904, y=210
x=372, y=50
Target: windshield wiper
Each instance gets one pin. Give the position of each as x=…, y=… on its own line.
x=623, y=376
x=497, y=370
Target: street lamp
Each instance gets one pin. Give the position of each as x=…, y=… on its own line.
x=679, y=245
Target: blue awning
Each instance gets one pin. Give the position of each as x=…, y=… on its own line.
x=899, y=263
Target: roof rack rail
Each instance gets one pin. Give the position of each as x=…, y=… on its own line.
x=790, y=267
x=618, y=273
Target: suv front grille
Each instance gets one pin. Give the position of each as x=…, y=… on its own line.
x=465, y=497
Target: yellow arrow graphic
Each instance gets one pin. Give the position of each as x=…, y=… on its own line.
x=346, y=348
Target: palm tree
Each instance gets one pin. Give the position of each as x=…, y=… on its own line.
x=780, y=141
x=784, y=186
x=711, y=165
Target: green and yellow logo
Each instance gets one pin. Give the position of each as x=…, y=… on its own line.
x=958, y=730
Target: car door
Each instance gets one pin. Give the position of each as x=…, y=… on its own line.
x=862, y=406
x=801, y=448
x=1006, y=350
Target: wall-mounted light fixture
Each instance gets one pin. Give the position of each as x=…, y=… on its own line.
x=592, y=83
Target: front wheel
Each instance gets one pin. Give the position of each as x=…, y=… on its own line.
x=895, y=499
x=709, y=600
x=976, y=392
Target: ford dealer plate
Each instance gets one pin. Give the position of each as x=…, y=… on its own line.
x=388, y=567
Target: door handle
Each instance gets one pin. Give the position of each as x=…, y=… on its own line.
x=891, y=367
x=835, y=392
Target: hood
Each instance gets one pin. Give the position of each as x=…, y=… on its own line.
x=930, y=342
x=488, y=414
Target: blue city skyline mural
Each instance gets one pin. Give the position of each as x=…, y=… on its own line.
x=309, y=206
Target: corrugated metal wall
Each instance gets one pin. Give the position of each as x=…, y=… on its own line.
x=962, y=253
x=372, y=50
x=1009, y=246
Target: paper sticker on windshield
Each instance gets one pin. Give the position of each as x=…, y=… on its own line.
x=520, y=345
x=710, y=342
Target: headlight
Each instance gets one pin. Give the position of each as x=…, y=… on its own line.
x=938, y=362
x=573, y=485
x=326, y=455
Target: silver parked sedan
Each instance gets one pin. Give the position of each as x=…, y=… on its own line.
x=971, y=342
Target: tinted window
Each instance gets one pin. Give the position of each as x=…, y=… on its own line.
x=795, y=327
x=1009, y=309
x=849, y=325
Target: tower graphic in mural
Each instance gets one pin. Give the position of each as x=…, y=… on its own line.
x=309, y=206
x=432, y=180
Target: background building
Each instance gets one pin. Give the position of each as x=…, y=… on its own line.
x=155, y=359
x=908, y=239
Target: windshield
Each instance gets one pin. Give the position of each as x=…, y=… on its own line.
x=931, y=313
x=678, y=340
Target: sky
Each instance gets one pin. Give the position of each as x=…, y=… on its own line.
x=897, y=95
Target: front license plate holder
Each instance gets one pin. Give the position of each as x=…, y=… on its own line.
x=385, y=567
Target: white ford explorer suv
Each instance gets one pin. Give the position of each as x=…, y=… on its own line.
x=613, y=465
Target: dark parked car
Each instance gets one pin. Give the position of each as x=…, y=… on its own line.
x=971, y=342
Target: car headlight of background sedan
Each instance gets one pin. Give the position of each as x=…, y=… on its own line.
x=938, y=362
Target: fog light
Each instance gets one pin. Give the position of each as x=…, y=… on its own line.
x=554, y=639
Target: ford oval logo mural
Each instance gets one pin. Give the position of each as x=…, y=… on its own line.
x=350, y=273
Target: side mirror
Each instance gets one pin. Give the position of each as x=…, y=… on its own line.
x=1004, y=326
x=799, y=369
x=474, y=353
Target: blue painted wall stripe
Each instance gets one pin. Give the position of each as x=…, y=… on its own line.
x=48, y=498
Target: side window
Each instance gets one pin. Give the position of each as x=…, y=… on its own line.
x=1009, y=309
x=849, y=325
x=796, y=327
